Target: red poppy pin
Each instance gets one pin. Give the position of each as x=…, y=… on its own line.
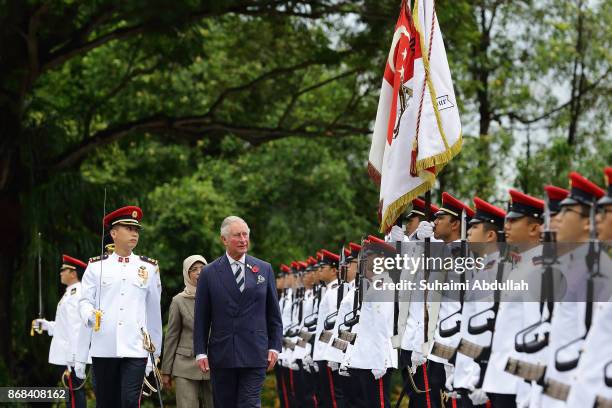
x=253, y=268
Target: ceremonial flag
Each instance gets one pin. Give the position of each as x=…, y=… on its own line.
x=417, y=129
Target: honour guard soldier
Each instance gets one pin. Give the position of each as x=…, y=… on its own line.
x=347, y=327
x=591, y=384
x=522, y=230
x=291, y=336
x=572, y=317
x=328, y=306
x=334, y=353
x=373, y=358
x=121, y=308
x=305, y=382
x=284, y=303
x=412, y=360
x=485, y=234
x=65, y=329
x=288, y=341
x=450, y=226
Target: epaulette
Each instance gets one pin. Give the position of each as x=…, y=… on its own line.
x=148, y=260
x=97, y=258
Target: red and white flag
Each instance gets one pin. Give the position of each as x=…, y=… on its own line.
x=417, y=129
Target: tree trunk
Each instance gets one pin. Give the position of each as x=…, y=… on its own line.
x=12, y=184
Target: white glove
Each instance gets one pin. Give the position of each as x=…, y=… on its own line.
x=333, y=365
x=450, y=376
x=91, y=320
x=294, y=366
x=478, y=396
x=45, y=325
x=378, y=374
x=307, y=368
x=343, y=371
x=315, y=366
x=424, y=230
x=396, y=234
x=417, y=359
x=149, y=368
x=79, y=370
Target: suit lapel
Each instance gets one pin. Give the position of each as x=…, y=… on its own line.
x=227, y=277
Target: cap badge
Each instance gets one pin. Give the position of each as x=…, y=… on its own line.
x=134, y=214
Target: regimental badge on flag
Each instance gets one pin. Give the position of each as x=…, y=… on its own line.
x=417, y=129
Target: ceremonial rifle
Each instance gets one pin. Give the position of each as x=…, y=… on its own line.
x=451, y=331
x=592, y=261
x=549, y=258
x=479, y=353
x=352, y=317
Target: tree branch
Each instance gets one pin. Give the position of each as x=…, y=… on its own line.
x=64, y=54
x=545, y=115
x=266, y=75
x=296, y=95
x=191, y=127
x=80, y=46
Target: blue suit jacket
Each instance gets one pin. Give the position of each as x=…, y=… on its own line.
x=236, y=329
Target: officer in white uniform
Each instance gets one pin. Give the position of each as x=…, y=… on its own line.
x=571, y=316
x=284, y=303
x=327, y=391
x=411, y=321
x=65, y=329
x=592, y=379
x=447, y=227
x=486, y=227
x=120, y=309
x=305, y=383
x=334, y=353
x=373, y=357
x=522, y=227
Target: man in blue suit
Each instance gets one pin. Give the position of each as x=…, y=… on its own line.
x=238, y=329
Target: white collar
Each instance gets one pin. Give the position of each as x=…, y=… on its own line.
x=232, y=261
x=332, y=283
x=72, y=286
x=116, y=256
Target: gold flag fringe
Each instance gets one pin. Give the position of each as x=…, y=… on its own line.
x=399, y=206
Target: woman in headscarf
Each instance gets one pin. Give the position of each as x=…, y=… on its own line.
x=193, y=387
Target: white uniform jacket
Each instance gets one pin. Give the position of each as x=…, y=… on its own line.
x=127, y=291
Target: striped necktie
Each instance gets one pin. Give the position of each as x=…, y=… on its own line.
x=239, y=275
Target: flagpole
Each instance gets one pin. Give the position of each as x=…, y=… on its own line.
x=426, y=254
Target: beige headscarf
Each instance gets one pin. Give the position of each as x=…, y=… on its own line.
x=190, y=289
